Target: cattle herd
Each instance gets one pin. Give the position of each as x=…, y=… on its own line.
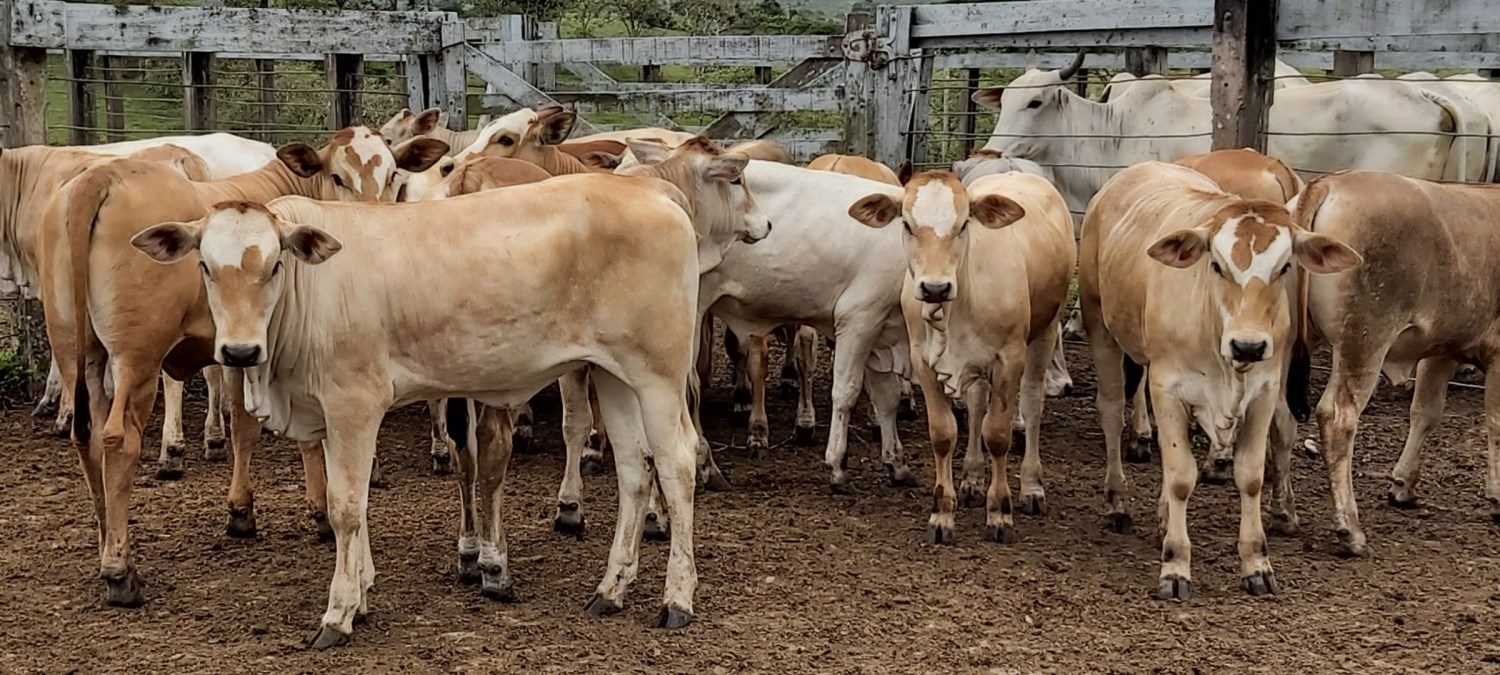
x=313, y=303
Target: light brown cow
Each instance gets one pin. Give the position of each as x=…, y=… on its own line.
x=855, y=165
x=456, y=310
x=97, y=289
x=1192, y=282
x=1423, y=303
x=987, y=274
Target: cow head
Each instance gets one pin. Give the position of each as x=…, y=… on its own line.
x=525, y=134
x=1249, y=248
x=358, y=165
x=1027, y=108
x=712, y=180
x=407, y=125
x=239, y=245
x=935, y=213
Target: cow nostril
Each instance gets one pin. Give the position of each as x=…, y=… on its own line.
x=240, y=355
x=1247, y=351
x=936, y=292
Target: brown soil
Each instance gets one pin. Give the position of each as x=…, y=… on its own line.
x=793, y=578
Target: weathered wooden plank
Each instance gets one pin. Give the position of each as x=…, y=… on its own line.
x=702, y=50
x=1141, y=61
x=81, y=120
x=859, y=81
x=1168, y=38
x=346, y=76
x=265, y=111
x=894, y=95
x=25, y=94
x=1349, y=64
x=114, y=99
x=1390, y=25
x=1244, y=63
x=1055, y=16
x=743, y=100
x=512, y=91
x=1201, y=59
x=448, y=87
x=197, y=91
x=52, y=24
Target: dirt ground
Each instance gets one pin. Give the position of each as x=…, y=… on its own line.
x=793, y=578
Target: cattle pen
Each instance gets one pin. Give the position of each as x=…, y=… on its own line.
x=794, y=579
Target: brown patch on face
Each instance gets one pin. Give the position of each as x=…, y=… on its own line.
x=1259, y=225
x=365, y=169
x=241, y=207
x=343, y=137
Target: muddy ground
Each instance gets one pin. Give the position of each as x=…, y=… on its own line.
x=793, y=578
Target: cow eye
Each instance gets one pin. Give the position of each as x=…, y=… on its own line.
x=507, y=141
x=1217, y=269
x=447, y=169
x=277, y=269
x=907, y=225
x=204, y=266
x=1034, y=104
x=1286, y=268
x=338, y=180
x=737, y=181
x=401, y=194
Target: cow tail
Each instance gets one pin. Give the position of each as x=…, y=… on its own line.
x=1466, y=137
x=86, y=197
x=456, y=412
x=1298, y=384
x=1134, y=373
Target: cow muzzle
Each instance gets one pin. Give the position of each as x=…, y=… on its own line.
x=755, y=233
x=1244, y=351
x=935, y=291
x=241, y=355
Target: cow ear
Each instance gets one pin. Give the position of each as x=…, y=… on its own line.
x=905, y=171
x=989, y=98
x=648, y=151
x=426, y=121
x=877, y=210
x=600, y=159
x=727, y=167
x=1179, y=249
x=168, y=242
x=554, y=125
x=996, y=211
x=301, y=158
x=419, y=154
x=310, y=244
x=1322, y=254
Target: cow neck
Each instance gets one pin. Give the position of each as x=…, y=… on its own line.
x=265, y=184
x=559, y=163
x=457, y=141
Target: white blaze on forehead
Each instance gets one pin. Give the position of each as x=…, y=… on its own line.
x=1263, y=264
x=933, y=207
x=229, y=233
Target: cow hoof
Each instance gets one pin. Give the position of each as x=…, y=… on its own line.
x=63, y=428
x=1217, y=472
x=1351, y=545
x=672, y=618
x=170, y=469
x=327, y=637
x=1003, y=534
x=1138, y=451
x=1494, y=510
x=600, y=607
x=498, y=587
x=1261, y=583
x=1284, y=525
x=940, y=534
x=569, y=520
x=715, y=480
x=442, y=464
x=468, y=569
x=1401, y=500
x=803, y=435
x=123, y=590
x=591, y=466
x=241, y=524
x=758, y=448
x=906, y=411
x=1034, y=505
x=970, y=496
x=653, y=531
x=47, y=407
x=325, y=529
x=377, y=479
x=1173, y=587
x=213, y=449
x=1120, y=523
x=839, y=484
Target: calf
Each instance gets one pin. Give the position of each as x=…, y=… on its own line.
x=987, y=274
x=1424, y=302
x=1194, y=283
x=456, y=310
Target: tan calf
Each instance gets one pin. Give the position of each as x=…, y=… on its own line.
x=987, y=274
x=855, y=165
x=1192, y=282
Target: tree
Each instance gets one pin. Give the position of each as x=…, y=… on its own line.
x=584, y=14
x=640, y=15
x=705, y=17
x=541, y=10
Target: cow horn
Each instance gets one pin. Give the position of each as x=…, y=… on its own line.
x=1072, y=69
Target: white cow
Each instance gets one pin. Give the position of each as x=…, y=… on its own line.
x=224, y=154
x=1198, y=85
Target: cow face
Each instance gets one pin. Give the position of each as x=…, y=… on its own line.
x=1249, y=248
x=1026, y=111
x=240, y=246
x=358, y=165
x=525, y=134
x=713, y=182
x=935, y=214
x=406, y=125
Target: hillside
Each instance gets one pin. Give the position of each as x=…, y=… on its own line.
x=834, y=8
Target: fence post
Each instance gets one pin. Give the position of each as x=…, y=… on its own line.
x=546, y=73
x=1081, y=82
x=1244, y=62
x=346, y=74
x=1140, y=61
x=23, y=108
x=893, y=100
x=968, y=109
x=265, y=109
x=81, y=122
x=451, y=90
x=1349, y=64
x=114, y=98
x=858, y=121
x=197, y=91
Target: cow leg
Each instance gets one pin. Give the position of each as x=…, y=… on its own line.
x=1343, y=401
x=213, y=419
x=971, y=488
x=315, y=477
x=739, y=372
x=135, y=392
x=907, y=409
x=757, y=363
x=169, y=463
x=1109, y=368
x=709, y=475
x=1033, y=397
x=790, y=337
x=805, y=351
x=465, y=454
x=598, y=441
x=46, y=406
x=522, y=428
x=1256, y=576
x=352, y=427
x=577, y=420
x=1179, y=477
x=850, y=352
x=1141, y=434
x=1059, y=381
x=999, y=418
x=1283, y=496
x=1492, y=432
x=494, y=436
x=942, y=431
x=244, y=437
x=671, y=442
x=622, y=414
x=91, y=453
x=442, y=448
x=884, y=389
x=658, y=520
x=1427, y=402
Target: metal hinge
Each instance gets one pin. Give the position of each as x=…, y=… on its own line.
x=866, y=45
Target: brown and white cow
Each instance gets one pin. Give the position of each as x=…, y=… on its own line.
x=987, y=274
x=1423, y=303
x=1192, y=282
x=97, y=288
x=610, y=281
